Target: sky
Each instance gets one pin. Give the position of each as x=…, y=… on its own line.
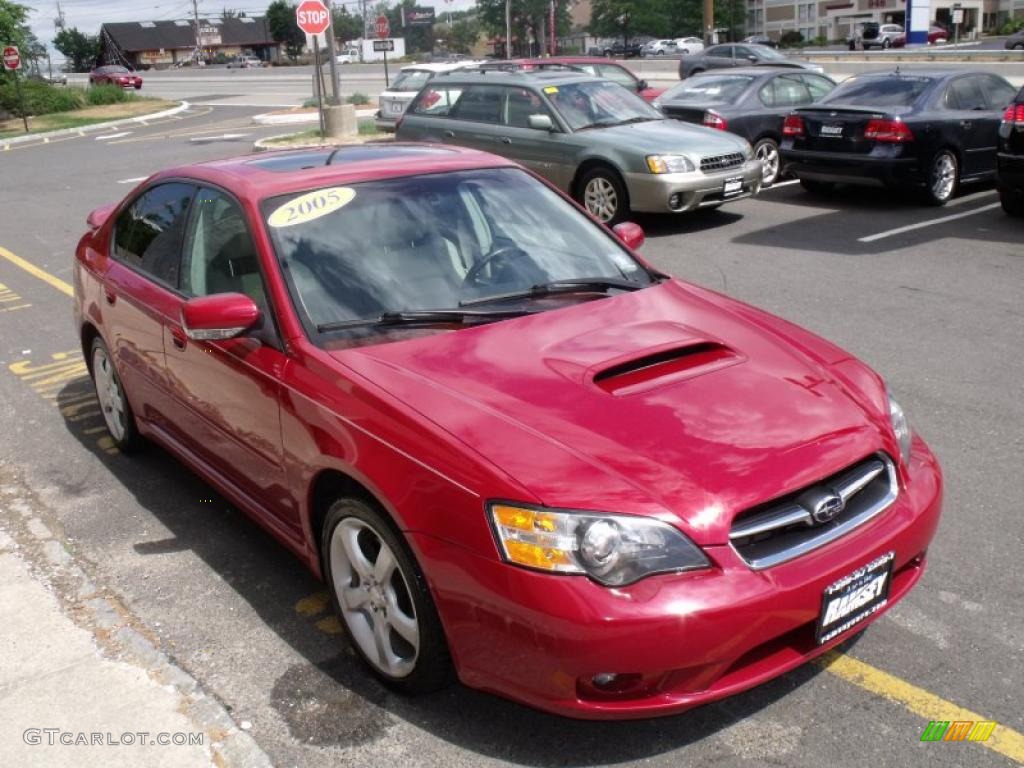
x=88, y=15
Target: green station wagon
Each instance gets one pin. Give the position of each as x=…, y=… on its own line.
x=592, y=138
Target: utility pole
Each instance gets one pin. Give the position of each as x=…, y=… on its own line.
x=335, y=84
x=195, y=17
x=709, y=21
x=508, y=29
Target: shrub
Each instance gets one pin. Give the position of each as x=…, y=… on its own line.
x=357, y=98
x=791, y=39
x=98, y=95
x=40, y=98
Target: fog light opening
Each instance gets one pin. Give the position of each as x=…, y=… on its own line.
x=675, y=201
x=613, y=685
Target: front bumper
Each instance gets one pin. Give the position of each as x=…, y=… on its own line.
x=862, y=170
x=692, y=638
x=653, y=193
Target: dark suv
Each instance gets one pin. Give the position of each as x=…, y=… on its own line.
x=625, y=50
x=1010, y=158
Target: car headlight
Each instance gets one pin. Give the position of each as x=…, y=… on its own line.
x=670, y=164
x=901, y=428
x=613, y=550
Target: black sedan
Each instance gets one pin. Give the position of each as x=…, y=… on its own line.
x=1010, y=158
x=739, y=55
x=751, y=102
x=924, y=129
x=625, y=50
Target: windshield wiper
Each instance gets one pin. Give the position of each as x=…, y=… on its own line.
x=573, y=285
x=422, y=317
x=638, y=119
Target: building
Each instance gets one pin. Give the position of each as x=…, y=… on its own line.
x=162, y=44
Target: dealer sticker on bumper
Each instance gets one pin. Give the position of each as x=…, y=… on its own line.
x=855, y=597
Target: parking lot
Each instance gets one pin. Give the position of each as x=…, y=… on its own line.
x=931, y=298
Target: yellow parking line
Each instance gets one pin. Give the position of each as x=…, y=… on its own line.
x=35, y=271
x=1005, y=741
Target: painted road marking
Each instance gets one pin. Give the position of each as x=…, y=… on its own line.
x=222, y=137
x=35, y=271
x=118, y=135
x=924, y=224
x=10, y=301
x=778, y=184
x=1005, y=741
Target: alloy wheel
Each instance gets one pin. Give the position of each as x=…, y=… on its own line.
x=943, y=180
x=601, y=199
x=767, y=151
x=109, y=394
x=374, y=597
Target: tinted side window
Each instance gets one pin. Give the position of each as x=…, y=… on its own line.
x=742, y=52
x=480, y=104
x=618, y=75
x=520, y=104
x=436, y=100
x=999, y=92
x=148, y=233
x=721, y=50
x=818, y=86
x=964, y=93
x=785, y=91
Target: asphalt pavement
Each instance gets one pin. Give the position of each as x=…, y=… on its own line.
x=929, y=297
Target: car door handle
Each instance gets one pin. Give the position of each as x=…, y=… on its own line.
x=178, y=338
x=449, y=134
x=110, y=296
x=505, y=140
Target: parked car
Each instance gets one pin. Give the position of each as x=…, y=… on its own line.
x=410, y=80
x=761, y=40
x=659, y=47
x=1010, y=157
x=592, y=138
x=922, y=129
x=938, y=35
x=245, y=62
x=592, y=65
x=348, y=56
x=113, y=74
x=623, y=50
x=688, y=45
x=1015, y=41
x=513, y=451
x=738, y=55
x=871, y=34
x=750, y=102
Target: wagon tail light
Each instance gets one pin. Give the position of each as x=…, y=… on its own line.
x=793, y=126
x=714, y=120
x=888, y=131
x=1014, y=115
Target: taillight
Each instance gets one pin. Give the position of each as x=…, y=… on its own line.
x=714, y=120
x=793, y=126
x=888, y=131
x=1014, y=115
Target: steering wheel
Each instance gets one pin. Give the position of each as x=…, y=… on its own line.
x=506, y=251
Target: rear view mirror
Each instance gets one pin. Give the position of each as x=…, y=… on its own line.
x=219, y=316
x=540, y=122
x=631, y=235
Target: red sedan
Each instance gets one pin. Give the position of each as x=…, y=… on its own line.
x=115, y=75
x=592, y=65
x=513, y=450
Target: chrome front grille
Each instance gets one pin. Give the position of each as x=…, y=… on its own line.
x=812, y=517
x=714, y=163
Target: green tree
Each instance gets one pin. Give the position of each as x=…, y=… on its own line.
x=529, y=17
x=465, y=33
x=347, y=26
x=80, y=50
x=13, y=24
x=284, y=29
x=418, y=38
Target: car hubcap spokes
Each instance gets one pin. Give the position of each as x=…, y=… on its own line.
x=600, y=199
x=108, y=392
x=943, y=177
x=374, y=597
x=769, y=157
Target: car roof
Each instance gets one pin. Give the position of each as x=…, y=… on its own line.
x=934, y=74
x=269, y=174
x=521, y=77
x=445, y=66
x=761, y=71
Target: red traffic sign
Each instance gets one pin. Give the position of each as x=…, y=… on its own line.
x=383, y=27
x=312, y=17
x=12, y=59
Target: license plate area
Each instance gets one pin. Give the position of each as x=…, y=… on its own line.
x=732, y=186
x=395, y=107
x=831, y=132
x=854, y=598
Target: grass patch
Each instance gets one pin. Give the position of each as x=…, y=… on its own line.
x=367, y=130
x=102, y=113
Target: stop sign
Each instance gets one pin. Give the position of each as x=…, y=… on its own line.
x=12, y=59
x=383, y=27
x=312, y=17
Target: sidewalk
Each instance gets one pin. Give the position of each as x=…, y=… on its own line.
x=92, y=691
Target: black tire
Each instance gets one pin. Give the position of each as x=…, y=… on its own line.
x=817, y=187
x=767, y=151
x=365, y=525
x=117, y=411
x=1012, y=200
x=609, y=202
x=943, y=178
x=886, y=42
x=853, y=46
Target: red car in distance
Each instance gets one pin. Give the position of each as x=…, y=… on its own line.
x=592, y=65
x=113, y=74
x=513, y=450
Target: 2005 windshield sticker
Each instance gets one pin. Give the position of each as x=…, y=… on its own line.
x=310, y=206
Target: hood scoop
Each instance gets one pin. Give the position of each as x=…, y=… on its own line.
x=666, y=366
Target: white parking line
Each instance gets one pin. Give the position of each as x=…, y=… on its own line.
x=924, y=224
x=778, y=184
x=112, y=135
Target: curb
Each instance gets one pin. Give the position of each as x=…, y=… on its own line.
x=47, y=135
x=115, y=630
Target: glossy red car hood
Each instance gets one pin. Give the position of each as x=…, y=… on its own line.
x=736, y=416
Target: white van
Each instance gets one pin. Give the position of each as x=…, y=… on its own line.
x=409, y=82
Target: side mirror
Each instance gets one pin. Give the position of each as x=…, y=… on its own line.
x=631, y=235
x=641, y=85
x=96, y=218
x=217, y=317
x=540, y=122
x=752, y=59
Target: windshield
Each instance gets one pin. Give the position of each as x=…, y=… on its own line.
x=718, y=89
x=879, y=91
x=410, y=80
x=602, y=103
x=437, y=241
